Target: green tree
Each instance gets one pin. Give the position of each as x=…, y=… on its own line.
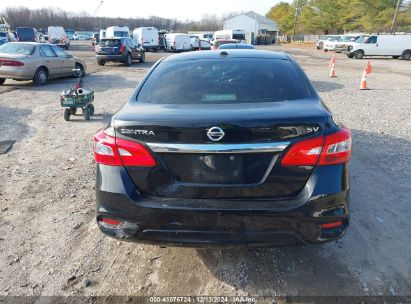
x=283, y=14
x=321, y=16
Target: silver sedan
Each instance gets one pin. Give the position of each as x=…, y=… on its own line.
x=36, y=61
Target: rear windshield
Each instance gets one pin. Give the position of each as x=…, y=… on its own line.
x=110, y=42
x=17, y=48
x=239, y=36
x=218, y=81
x=25, y=33
x=121, y=34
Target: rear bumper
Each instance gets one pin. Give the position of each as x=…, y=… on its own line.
x=198, y=223
x=16, y=73
x=116, y=58
x=151, y=47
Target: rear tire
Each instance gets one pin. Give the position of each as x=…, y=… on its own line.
x=406, y=55
x=73, y=111
x=359, y=54
x=350, y=55
x=66, y=114
x=2, y=80
x=81, y=68
x=86, y=113
x=143, y=58
x=91, y=108
x=129, y=60
x=41, y=76
x=101, y=62
x=395, y=57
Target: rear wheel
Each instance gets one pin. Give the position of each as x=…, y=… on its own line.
x=91, y=108
x=2, y=80
x=101, y=62
x=359, y=54
x=73, y=111
x=80, y=67
x=406, y=55
x=350, y=55
x=41, y=76
x=129, y=60
x=66, y=114
x=86, y=113
x=143, y=57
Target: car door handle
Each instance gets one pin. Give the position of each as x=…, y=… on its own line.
x=377, y=44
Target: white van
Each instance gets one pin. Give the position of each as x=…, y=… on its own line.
x=203, y=36
x=57, y=35
x=117, y=32
x=230, y=34
x=177, y=42
x=147, y=37
x=383, y=45
x=102, y=34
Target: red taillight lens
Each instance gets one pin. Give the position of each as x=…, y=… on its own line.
x=329, y=150
x=134, y=154
x=110, y=223
x=337, y=148
x=122, y=48
x=304, y=153
x=331, y=225
x=118, y=152
x=11, y=62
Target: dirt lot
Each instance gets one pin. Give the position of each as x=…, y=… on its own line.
x=50, y=244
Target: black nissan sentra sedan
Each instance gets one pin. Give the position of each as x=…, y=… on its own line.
x=223, y=148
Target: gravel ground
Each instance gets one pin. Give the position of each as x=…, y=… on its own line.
x=50, y=244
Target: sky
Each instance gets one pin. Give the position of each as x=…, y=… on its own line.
x=179, y=9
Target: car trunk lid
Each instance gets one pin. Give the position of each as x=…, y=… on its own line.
x=244, y=162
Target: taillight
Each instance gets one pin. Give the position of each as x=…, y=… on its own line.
x=325, y=150
x=122, y=48
x=332, y=225
x=118, y=152
x=11, y=62
x=110, y=223
x=337, y=148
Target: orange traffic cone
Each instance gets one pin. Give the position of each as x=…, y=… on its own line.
x=332, y=68
x=367, y=70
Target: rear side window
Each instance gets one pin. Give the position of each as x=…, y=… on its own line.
x=46, y=51
x=17, y=48
x=110, y=42
x=216, y=81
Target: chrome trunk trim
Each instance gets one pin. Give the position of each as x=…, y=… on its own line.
x=218, y=148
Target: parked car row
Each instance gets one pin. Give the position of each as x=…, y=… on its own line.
x=360, y=45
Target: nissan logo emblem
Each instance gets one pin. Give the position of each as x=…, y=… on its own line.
x=215, y=133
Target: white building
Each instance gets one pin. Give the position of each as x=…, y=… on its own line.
x=254, y=25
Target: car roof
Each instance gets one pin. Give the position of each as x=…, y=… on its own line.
x=231, y=53
x=236, y=46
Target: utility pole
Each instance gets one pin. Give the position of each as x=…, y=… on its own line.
x=296, y=18
x=394, y=19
